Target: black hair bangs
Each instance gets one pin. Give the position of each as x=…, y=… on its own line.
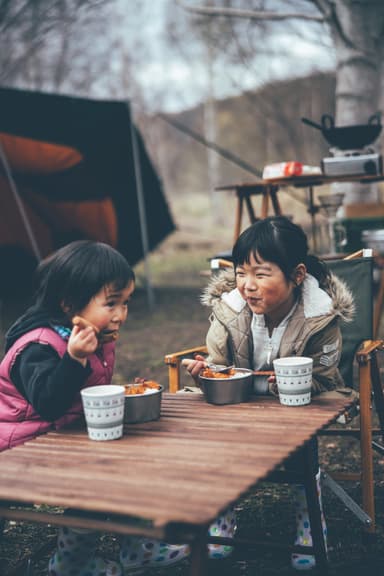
x=110, y=267
x=74, y=274
x=273, y=239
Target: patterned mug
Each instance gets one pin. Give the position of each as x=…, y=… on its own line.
x=294, y=379
x=104, y=411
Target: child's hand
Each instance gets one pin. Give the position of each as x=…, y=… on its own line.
x=272, y=385
x=82, y=343
x=195, y=366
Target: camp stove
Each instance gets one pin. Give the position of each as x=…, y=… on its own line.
x=351, y=151
x=364, y=162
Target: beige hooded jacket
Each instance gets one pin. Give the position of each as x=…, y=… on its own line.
x=313, y=329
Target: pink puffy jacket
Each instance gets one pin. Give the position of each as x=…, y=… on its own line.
x=18, y=419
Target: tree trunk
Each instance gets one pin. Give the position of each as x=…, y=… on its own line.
x=357, y=31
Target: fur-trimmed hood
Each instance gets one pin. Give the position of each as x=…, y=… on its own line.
x=335, y=299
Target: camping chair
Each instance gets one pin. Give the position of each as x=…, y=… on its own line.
x=358, y=348
x=360, y=369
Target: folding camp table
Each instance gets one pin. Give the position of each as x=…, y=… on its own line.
x=169, y=478
x=268, y=190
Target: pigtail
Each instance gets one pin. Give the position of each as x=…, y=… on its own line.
x=318, y=269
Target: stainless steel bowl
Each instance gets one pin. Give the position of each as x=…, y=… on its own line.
x=232, y=390
x=143, y=407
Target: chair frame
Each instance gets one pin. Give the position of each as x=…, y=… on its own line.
x=369, y=387
x=173, y=362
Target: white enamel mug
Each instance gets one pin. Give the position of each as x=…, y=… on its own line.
x=294, y=379
x=104, y=411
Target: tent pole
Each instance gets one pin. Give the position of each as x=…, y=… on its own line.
x=20, y=205
x=142, y=214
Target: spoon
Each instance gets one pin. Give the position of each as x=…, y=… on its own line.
x=219, y=368
x=215, y=367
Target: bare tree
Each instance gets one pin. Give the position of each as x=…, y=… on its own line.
x=25, y=26
x=357, y=30
x=90, y=48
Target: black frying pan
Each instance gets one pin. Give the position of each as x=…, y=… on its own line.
x=347, y=137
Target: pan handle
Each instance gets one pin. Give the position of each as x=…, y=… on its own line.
x=375, y=119
x=327, y=122
x=311, y=123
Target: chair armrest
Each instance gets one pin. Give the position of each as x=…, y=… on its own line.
x=368, y=346
x=174, y=360
x=219, y=263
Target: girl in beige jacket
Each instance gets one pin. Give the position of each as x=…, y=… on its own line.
x=278, y=301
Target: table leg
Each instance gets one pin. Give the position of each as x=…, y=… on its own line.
x=199, y=555
x=265, y=203
x=275, y=201
x=314, y=512
x=238, y=216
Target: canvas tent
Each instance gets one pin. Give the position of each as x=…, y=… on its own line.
x=72, y=162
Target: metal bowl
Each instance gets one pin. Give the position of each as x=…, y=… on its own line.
x=232, y=390
x=143, y=407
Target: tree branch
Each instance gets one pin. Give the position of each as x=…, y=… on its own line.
x=324, y=7
x=249, y=14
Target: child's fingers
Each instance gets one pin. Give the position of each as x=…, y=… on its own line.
x=82, y=342
x=192, y=361
x=75, y=330
x=194, y=366
x=273, y=388
x=85, y=334
x=82, y=323
x=187, y=362
x=80, y=333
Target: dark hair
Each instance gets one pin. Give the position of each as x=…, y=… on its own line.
x=76, y=272
x=277, y=239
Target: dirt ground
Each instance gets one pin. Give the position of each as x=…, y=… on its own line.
x=167, y=318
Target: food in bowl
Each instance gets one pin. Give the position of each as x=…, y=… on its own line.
x=209, y=373
x=142, y=401
x=227, y=388
x=145, y=387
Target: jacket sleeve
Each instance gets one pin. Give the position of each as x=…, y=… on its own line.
x=217, y=343
x=48, y=382
x=325, y=349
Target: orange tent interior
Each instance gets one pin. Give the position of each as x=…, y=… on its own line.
x=67, y=172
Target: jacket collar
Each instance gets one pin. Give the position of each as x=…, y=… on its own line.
x=336, y=298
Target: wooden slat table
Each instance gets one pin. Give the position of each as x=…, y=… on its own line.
x=244, y=192
x=169, y=478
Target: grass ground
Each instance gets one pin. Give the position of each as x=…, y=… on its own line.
x=176, y=320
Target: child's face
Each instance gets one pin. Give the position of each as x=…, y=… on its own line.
x=265, y=288
x=108, y=309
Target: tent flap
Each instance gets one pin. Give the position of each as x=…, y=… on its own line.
x=71, y=160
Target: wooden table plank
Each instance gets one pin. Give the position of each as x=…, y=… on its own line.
x=186, y=467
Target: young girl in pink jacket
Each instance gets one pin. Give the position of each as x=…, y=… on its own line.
x=50, y=357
